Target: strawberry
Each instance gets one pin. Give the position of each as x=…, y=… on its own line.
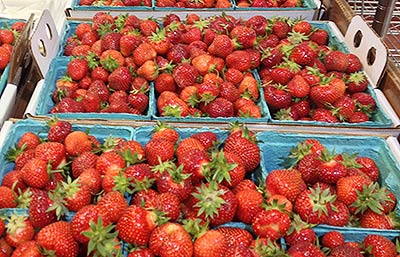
x=110, y=162
x=148, y=70
x=178, y=52
x=206, y=138
x=185, y=75
x=217, y=209
x=328, y=92
x=358, y=117
x=259, y=23
x=77, y=68
x=221, y=46
x=304, y=249
x=356, y=82
x=58, y=130
x=338, y=214
x=319, y=36
x=7, y=36
x=58, y=237
x=336, y=61
x=303, y=27
x=38, y=211
x=19, y=230
x=365, y=102
x=8, y=199
x=135, y=225
x=128, y=43
x=171, y=239
x=13, y=179
x=35, y=173
x=120, y=79
x=344, y=108
x=238, y=59
x=300, y=231
x=52, y=152
x=169, y=104
x=140, y=252
x=347, y=188
x=285, y=182
x=220, y=107
x=233, y=75
x=173, y=180
x=159, y=150
x=164, y=82
x=82, y=162
x=77, y=142
x=379, y=245
x=28, y=140
x=280, y=28
x=371, y=219
x=211, y=244
x=368, y=167
x=111, y=59
x=246, y=149
x=161, y=43
x=272, y=224
x=298, y=87
x=332, y=239
x=112, y=205
x=345, y=250
x=330, y=170
x=190, y=35
x=323, y=115
x=5, y=57
x=91, y=178
x=244, y=37
x=27, y=249
x=162, y=130
x=194, y=162
x=354, y=63
x=303, y=54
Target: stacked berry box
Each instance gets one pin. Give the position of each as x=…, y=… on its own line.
x=290, y=72
x=307, y=9
x=351, y=181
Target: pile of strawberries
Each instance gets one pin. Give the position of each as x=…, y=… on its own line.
x=204, y=67
x=270, y=3
x=8, y=38
x=171, y=194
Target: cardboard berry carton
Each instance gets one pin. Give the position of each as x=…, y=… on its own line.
x=297, y=153
x=46, y=105
x=12, y=132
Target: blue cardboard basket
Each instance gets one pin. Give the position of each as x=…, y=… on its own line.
x=40, y=128
x=57, y=70
x=276, y=146
x=379, y=119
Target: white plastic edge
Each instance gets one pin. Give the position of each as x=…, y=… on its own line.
x=387, y=107
x=7, y=102
x=33, y=102
x=394, y=146
x=7, y=125
x=369, y=40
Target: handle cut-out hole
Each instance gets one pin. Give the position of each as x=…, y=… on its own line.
x=48, y=31
x=42, y=48
x=371, y=56
x=357, y=38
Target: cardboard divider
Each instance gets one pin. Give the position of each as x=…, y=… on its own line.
x=367, y=45
x=44, y=42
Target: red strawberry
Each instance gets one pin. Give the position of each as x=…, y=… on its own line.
x=371, y=219
x=368, y=167
x=110, y=41
x=347, y=187
x=338, y=214
x=239, y=60
x=246, y=149
x=244, y=37
x=164, y=82
x=58, y=237
x=272, y=224
x=356, y=82
x=91, y=178
x=303, y=54
x=35, y=173
x=211, y=244
x=144, y=52
x=304, y=249
x=280, y=28
x=178, y=52
x=67, y=104
x=358, y=117
x=319, y=36
x=298, y=87
x=128, y=43
x=332, y=239
x=365, y=102
x=5, y=56
x=379, y=246
x=206, y=138
x=285, y=182
x=171, y=239
x=120, y=79
x=336, y=61
x=8, y=198
x=77, y=68
x=345, y=250
x=113, y=205
x=259, y=23
x=135, y=225
x=185, y=75
x=328, y=92
x=19, y=230
x=221, y=46
x=77, y=142
x=28, y=140
x=220, y=107
x=159, y=150
x=27, y=249
x=276, y=97
x=324, y=115
x=169, y=104
x=58, y=130
x=344, y=108
x=354, y=63
x=39, y=213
